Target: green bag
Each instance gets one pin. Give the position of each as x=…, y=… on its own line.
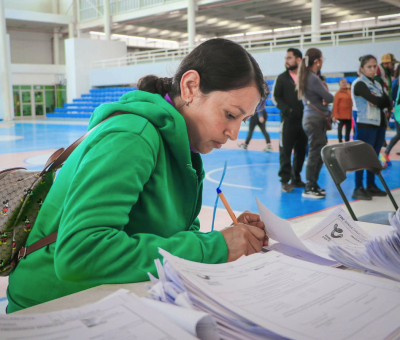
x=396, y=112
x=22, y=193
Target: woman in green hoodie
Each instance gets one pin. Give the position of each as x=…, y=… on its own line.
x=135, y=184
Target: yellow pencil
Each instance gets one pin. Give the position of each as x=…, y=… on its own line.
x=227, y=206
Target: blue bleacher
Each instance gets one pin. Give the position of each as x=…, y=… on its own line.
x=84, y=106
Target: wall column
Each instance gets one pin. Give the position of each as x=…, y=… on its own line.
x=316, y=20
x=107, y=19
x=191, y=23
x=56, y=46
x=6, y=99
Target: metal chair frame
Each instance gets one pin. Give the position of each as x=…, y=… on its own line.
x=349, y=157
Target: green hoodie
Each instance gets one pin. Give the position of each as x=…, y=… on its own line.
x=131, y=187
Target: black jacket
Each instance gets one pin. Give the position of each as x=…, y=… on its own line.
x=285, y=96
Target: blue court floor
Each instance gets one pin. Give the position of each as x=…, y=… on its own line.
x=249, y=174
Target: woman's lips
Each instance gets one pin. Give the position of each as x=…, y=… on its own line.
x=217, y=145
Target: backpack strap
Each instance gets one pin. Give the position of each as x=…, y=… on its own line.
x=24, y=251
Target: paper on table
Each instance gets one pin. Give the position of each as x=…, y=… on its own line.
x=122, y=316
x=279, y=229
x=295, y=299
x=338, y=228
x=197, y=323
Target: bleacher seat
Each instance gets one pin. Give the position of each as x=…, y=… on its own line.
x=84, y=106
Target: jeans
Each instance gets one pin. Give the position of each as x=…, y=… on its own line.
x=254, y=121
x=394, y=140
x=347, y=124
x=315, y=129
x=375, y=138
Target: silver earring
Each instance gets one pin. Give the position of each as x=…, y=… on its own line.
x=187, y=103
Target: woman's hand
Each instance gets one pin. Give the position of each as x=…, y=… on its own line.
x=250, y=218
x=324, y=102
x=261, y=119
x=242, y=239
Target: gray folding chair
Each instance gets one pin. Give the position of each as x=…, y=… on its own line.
x=349, y=157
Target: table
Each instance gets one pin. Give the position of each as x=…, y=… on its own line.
x=97, y=293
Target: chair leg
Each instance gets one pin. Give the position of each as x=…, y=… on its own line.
x=346, y=202
x=388, y=191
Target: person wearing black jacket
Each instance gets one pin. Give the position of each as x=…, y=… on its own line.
x=293, y=136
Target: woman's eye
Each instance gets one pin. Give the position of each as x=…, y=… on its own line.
x=231, y=116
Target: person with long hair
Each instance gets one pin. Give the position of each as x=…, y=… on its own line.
x=135, y=184
x=372, y=102
x=395, y=96
x=316, y=98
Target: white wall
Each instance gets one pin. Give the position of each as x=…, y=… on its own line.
x=338, y=59
x=78, y=55
x=6, y=104
x=44, y=6
x=28, y=74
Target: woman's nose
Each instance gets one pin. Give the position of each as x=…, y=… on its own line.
x=233, y=131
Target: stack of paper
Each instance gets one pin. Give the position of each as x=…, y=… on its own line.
x=380, y=255
x=119, y=316
x=338, y=228
x=272, y=296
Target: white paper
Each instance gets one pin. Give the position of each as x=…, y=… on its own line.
x=121, y=317
x=196, y=323
x=293, y=298
x=336, y=229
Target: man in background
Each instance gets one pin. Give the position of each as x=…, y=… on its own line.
x=385, y=71
x=292, y=135
x=342, y=110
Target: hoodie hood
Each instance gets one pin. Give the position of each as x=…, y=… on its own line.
x=153, y=107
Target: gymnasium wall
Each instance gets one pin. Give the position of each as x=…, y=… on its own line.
x=338, y=59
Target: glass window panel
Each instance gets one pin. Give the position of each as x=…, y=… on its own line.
x=27, y=110
x=39, y=110
x=17, y=104
x=50, y=101
x=38, y=96
x=26, y=87
x=26, y=96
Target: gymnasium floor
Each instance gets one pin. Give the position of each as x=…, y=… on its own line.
x=250, y=173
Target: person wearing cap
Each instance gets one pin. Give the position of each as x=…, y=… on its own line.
x=385, y=71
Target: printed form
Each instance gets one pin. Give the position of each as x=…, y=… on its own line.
x=297, y=299
x=337, y=229
x=123, y=316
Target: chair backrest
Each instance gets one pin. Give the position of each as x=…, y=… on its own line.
x=348, y=157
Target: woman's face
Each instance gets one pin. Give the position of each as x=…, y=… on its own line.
x=214, y=118
x=369, y=68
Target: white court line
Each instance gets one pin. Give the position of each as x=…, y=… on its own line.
x=233, y=167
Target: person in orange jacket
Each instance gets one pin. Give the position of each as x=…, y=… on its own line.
x=342, y=110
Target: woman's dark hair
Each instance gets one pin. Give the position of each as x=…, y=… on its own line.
x=307, y=62
x=365, y=59
x=222, y=65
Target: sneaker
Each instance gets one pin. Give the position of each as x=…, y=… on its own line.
x=386, y=156
x=298, y=184
x=286, y=187
x=361, y=194
x=312, y=193
x=243, y=146
x=375, y=191
x=322, y=191
x=268, y=148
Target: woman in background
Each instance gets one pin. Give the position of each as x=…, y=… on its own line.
x=371, y=102
x=316, y=98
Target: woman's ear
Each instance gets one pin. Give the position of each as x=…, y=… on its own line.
x=190, y=86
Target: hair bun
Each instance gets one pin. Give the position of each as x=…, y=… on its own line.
x=154, y=84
